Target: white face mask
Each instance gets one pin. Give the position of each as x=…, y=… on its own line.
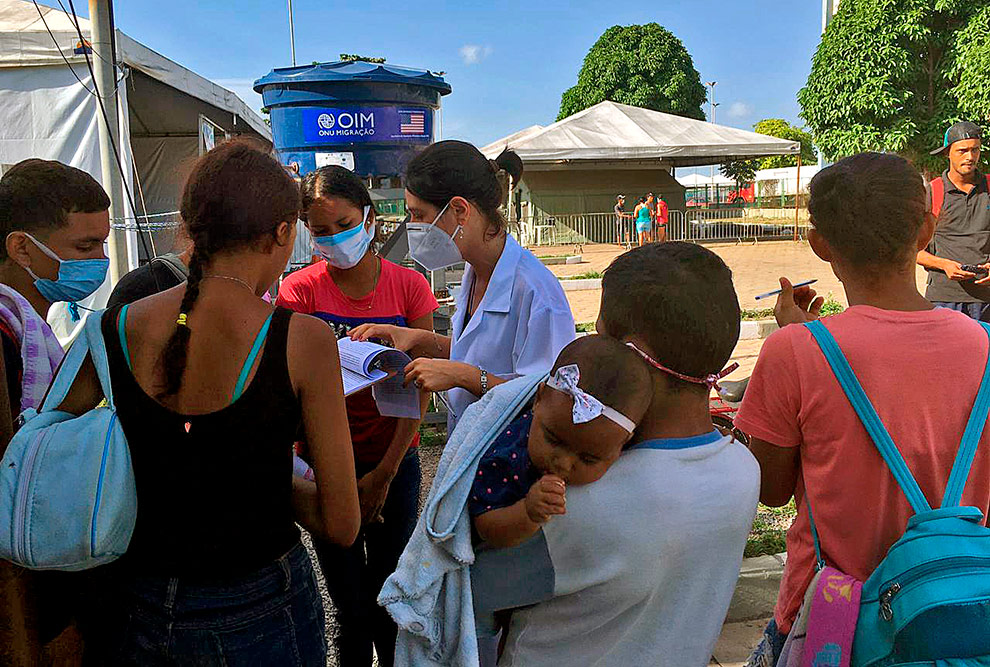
x=430, y=246
x=345, y=249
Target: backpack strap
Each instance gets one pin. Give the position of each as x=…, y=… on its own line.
x=970, y=440
x=173, y=265
x=938, y=195
x=88, y=344
x=819, y=561
x=868, y=416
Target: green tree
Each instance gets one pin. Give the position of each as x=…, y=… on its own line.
x=892, y=75
x=741, y=171
x=780, y=128
x=351, y=57
x=640, y=65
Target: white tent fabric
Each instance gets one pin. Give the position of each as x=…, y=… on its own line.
x=617, y=132
x=700, y=181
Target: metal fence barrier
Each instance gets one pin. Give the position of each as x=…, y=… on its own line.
x=716, y=225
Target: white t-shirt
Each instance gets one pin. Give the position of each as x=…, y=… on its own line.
x=645, y=560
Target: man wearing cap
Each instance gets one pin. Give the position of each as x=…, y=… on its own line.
x=960, y=202
x=621, y=230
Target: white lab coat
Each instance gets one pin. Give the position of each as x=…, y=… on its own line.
x=521, y=325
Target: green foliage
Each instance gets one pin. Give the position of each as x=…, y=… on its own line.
x=585, y=327
x=892, y=75
x=768, y=536
x=640, y=65
x=590, y=275
x=831, y=307
x=780, y=128
x=350, y=57
x=741, y=171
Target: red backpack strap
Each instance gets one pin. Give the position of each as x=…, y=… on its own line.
x=938, y=195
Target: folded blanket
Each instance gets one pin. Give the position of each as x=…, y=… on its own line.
x=41, y=352
x=429, y=594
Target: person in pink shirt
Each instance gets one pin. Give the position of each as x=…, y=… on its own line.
x=920, y=366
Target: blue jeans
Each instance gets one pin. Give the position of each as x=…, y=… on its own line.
x=770, y=647
x=355, y=575
x=273, y=616
x=977, y=310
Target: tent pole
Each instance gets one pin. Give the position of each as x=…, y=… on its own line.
x=105, y=69
x=797, y=198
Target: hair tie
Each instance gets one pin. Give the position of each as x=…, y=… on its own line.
x=586, y=406
x=182, y=320
x=711, y=380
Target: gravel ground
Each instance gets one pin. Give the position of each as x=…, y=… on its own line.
x=429, y=456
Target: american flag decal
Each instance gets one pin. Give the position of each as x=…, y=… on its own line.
x=412, y=122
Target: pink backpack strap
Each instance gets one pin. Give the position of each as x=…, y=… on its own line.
x=832, y=619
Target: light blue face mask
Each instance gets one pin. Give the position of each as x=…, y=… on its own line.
x=345, y=249
x=77, y=278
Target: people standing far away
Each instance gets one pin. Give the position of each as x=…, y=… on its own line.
x=662, y=215
x=644, y=219
x=623, y=235
x=869, y=220
x=352, y=286
x=641, y=567
x=960, y=201
x=54, y=219
x=512, y=316
x=212, y=385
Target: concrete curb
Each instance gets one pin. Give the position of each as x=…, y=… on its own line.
x=757, y=588
x=557, y=261
x=581, y=285
x=755, y=329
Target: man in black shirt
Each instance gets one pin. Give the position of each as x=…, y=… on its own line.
x=960, y=201
x=156, y=276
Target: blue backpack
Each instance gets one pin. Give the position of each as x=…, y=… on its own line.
x=928, y=602
x=67, y=494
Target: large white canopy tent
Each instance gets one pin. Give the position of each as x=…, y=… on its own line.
x=48, y=110
x=613, y=134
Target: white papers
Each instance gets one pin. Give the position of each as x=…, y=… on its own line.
x=364, y=364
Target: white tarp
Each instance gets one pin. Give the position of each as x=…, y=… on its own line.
x=700, y=181
x=617, y=132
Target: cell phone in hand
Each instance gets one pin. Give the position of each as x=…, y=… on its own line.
x=979, y=271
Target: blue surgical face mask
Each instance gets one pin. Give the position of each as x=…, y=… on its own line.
x=345, y=249
x=77, y=278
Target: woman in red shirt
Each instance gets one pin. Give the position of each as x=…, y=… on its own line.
x=350, y=287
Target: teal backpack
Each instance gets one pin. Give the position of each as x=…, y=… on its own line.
x=928, y=602
x=68, y=499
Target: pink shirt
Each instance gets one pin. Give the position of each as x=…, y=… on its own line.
x=921, y=371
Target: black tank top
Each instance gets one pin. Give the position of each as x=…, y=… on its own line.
x=214, y=490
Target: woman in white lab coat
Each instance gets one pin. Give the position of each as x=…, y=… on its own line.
x=512, y=317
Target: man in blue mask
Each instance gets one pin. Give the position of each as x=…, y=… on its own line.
x=54, y=220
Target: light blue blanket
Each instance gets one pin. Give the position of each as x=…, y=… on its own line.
x=429, y=594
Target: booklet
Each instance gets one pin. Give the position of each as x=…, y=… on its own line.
x=365, y=364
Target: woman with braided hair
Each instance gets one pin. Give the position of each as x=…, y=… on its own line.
x=212, y=385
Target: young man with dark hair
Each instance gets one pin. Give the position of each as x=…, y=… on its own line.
x=53, y=222
x=960, y=201
x=641, y=568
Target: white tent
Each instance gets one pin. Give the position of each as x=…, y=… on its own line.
x=699, y=181
x=611, y=132
x=48, y=109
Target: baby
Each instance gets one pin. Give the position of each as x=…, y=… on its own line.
x=574, y=430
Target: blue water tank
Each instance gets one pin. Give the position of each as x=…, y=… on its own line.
x=371, y=118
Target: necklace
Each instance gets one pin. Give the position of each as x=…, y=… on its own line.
x=230, y=278
x=374, y=291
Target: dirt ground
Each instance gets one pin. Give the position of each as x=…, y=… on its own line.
x=755, y=269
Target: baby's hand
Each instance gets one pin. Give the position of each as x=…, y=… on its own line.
x=546, y=498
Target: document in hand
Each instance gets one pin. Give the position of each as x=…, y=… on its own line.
x=364, y=364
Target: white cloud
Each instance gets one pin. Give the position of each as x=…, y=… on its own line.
x=472, y=54
x=739, y=110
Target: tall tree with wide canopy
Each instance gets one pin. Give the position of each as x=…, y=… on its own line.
x=639, y=65
x=892, y=75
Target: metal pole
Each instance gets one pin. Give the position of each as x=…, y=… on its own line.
x=292, y=35
x=797, y=198
x=711, y=119
x=105, y=69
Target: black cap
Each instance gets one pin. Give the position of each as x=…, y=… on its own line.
x=959, y=132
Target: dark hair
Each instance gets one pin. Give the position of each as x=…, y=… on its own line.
x=642, y=200
x=40, y=194
x=679, y=299
x=869, y=208
x=236, y=195
x=449, y=169
x=611, y=372
x=333, y=181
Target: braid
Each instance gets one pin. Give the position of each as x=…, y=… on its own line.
x=177, y=347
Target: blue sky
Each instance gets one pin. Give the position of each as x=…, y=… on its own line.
x=508, y=62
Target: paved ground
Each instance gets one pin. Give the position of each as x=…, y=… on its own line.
x=755, y=269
